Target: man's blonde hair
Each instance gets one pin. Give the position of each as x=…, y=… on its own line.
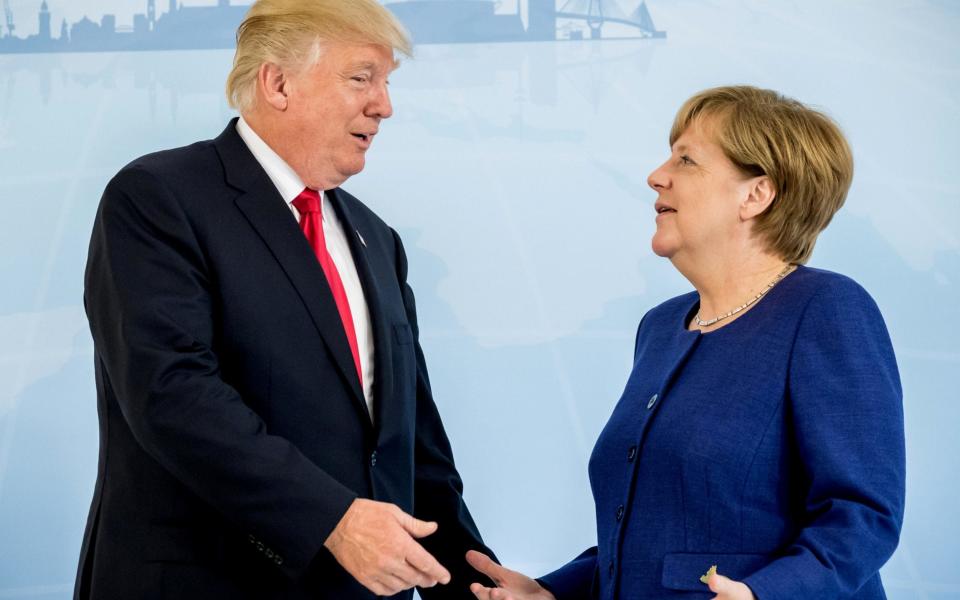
x=801, y=150
x=288, y=33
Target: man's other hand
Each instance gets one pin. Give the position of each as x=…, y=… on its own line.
x=375, y=542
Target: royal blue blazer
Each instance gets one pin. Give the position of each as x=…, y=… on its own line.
x=772, y=447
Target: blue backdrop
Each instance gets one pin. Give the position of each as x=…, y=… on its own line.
x=515, y=170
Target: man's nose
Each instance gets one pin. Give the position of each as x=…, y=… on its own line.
x=380, y=105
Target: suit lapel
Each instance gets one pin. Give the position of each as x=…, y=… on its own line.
x=268, y=214
x=353, y=227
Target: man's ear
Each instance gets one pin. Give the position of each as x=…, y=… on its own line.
x=760, y=195
x=272, y=84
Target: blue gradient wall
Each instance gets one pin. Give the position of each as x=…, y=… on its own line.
x=516, y=174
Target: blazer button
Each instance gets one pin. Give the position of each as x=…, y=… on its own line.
x=631, y=453
x=373, y=459
x=620, y=513
x=653, y=400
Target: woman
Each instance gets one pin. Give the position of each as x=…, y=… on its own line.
x=761, y=430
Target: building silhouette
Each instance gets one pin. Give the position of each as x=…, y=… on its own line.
x=464, y=21
x=429, y=22
x=44, y=21
x=542, y=20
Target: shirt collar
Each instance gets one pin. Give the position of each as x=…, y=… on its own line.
x=286, y=180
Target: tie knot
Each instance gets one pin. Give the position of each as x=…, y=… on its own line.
x=307, y=202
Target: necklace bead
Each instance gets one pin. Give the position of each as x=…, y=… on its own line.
x=786, y=271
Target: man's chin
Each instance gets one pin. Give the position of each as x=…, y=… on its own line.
x=351, y=168
x=330, y=179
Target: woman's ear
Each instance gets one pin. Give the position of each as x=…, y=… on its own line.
x=760, y=195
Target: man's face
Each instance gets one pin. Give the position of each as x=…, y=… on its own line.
x=334, y=111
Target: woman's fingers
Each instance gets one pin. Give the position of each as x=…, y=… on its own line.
x=728, y=589
x=482, y=563
x=485, y=593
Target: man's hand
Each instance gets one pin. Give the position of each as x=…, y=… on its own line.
x=374, y=542
x=510, y=584
x=728, y=589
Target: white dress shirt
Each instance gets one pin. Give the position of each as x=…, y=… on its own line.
x=290, y=185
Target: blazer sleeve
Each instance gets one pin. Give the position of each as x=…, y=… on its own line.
x=845, y=405
x=438, y=489
x=574, y=580
x=148, y=295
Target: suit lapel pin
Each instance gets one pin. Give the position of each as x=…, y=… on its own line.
x=362, y=241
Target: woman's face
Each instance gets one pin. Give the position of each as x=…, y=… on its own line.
x=699, y=196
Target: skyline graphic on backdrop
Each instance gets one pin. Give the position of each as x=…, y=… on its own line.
x=184, y=27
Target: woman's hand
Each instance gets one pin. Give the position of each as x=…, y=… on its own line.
x=728, y=589
x=510, y=584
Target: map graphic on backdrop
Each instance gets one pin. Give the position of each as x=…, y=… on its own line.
x=185, y=27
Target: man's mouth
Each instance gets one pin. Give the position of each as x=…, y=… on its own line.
x=663, y=208
x=364, y=136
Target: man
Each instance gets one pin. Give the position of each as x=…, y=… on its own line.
x=266, y=423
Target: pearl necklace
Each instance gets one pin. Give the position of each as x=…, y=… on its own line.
x=786, y=271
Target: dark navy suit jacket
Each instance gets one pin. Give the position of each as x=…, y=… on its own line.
x=233, y=431
x=772, y=447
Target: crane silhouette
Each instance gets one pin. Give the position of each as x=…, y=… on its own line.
x=597, y=13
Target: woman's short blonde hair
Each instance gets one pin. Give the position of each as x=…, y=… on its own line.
x=801, y=150
x=289, y=33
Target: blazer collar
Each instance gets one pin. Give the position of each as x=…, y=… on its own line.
x=268, y=214
x=354, y=224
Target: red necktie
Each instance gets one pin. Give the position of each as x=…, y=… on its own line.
x=311, y=222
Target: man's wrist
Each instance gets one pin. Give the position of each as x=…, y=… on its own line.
x=336, y=534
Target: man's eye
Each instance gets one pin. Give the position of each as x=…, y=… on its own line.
x=359, y=78
x=686, y=160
